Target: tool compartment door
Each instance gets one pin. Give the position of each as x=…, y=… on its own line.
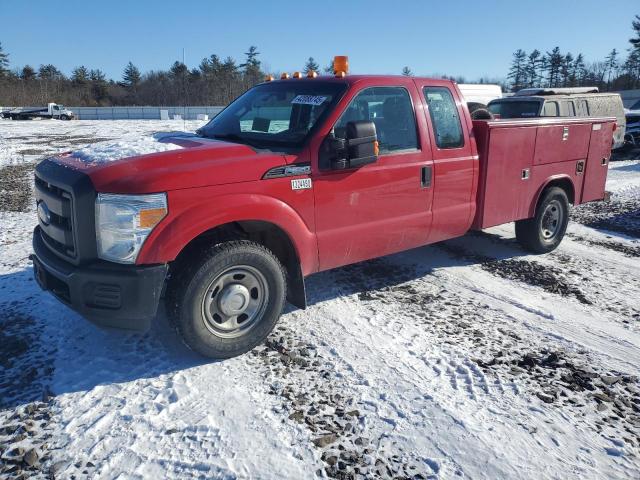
x=505, y=191
x=596, y=169
x=562, y=143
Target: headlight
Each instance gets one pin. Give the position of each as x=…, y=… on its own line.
x=123, y=223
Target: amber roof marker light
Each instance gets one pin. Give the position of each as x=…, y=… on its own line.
x=340, y=65
x=297, y=75
x=268, y=78
x=284, y=76
x=312, y=74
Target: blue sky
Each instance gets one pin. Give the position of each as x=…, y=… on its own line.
x=469, y=38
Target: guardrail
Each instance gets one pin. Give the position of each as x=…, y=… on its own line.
x=142, y=113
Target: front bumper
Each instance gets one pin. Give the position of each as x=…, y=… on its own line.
x=105, y=293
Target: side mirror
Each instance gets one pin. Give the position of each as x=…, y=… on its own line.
x=360, y=147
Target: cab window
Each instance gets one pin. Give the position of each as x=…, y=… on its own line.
x=444, y=117
x=390, y=109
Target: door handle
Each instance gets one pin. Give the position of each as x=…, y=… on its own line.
x=425, y=176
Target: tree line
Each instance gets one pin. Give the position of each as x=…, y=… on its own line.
x=215, y=81
x=558, y=69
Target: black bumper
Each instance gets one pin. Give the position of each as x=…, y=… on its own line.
x=105, y=293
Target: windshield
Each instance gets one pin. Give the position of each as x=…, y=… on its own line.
x=277, y=115
x=511, y=109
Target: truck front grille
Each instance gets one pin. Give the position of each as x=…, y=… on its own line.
x=58, y=229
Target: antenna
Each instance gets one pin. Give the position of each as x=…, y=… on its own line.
x=184, y=94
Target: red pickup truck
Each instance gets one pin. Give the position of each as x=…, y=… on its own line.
x=298, y=176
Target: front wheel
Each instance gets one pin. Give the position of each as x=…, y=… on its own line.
x=228, y=301
x=544, y=232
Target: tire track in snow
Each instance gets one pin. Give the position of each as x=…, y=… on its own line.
x=508, y=349
x=318, y=397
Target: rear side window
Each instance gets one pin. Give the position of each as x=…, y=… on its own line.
x=550, y=109
x=583, y=109
x=569, y=109
x=444, y=117
x=391, y=110
x=605, y=106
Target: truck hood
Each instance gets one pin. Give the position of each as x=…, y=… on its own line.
x=167, y=162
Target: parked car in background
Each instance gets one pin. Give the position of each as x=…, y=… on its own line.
x=480, y=92
x=634, y=110
x=564, y=102
x=632, y=132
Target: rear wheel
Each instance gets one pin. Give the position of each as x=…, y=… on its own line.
x=544, y=232
x=227, y=302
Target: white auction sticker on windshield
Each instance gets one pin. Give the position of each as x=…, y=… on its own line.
x=309, y=100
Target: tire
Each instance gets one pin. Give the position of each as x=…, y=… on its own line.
x=205, y=299
x=544, y=232
x=64, y=117
x=481, y=114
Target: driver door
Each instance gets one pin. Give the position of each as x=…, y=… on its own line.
x=383, y=207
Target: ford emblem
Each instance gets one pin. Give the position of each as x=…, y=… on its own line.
x=43, y=213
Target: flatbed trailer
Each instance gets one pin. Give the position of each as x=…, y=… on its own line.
x=51, y=111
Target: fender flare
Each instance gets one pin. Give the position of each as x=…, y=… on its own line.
x=176, y=231
x=552, y=179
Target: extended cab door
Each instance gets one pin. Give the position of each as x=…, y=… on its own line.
x=383, y=207
x=455, y=160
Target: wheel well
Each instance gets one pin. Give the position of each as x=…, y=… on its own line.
x=264, y=233
x=563, y=183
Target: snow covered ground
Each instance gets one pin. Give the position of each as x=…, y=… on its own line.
x=465, y=359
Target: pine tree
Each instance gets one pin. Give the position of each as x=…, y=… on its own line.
x=635, y=41
x=4, y=62
x=80, y=75
x=329, y=68
x=28, y=73
x=518, y=68
x=49, y=72
x=406, y=71
x=252, y=61
x=579, y=70
x=311, y=65
x=631, y=68
x=210, y=66
x=98, y=85
x=178, y=69
x=565, y=70
x=131, y=77
x=532, y=70
x=554, y=60
x=251, y=66
x=612, y=64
